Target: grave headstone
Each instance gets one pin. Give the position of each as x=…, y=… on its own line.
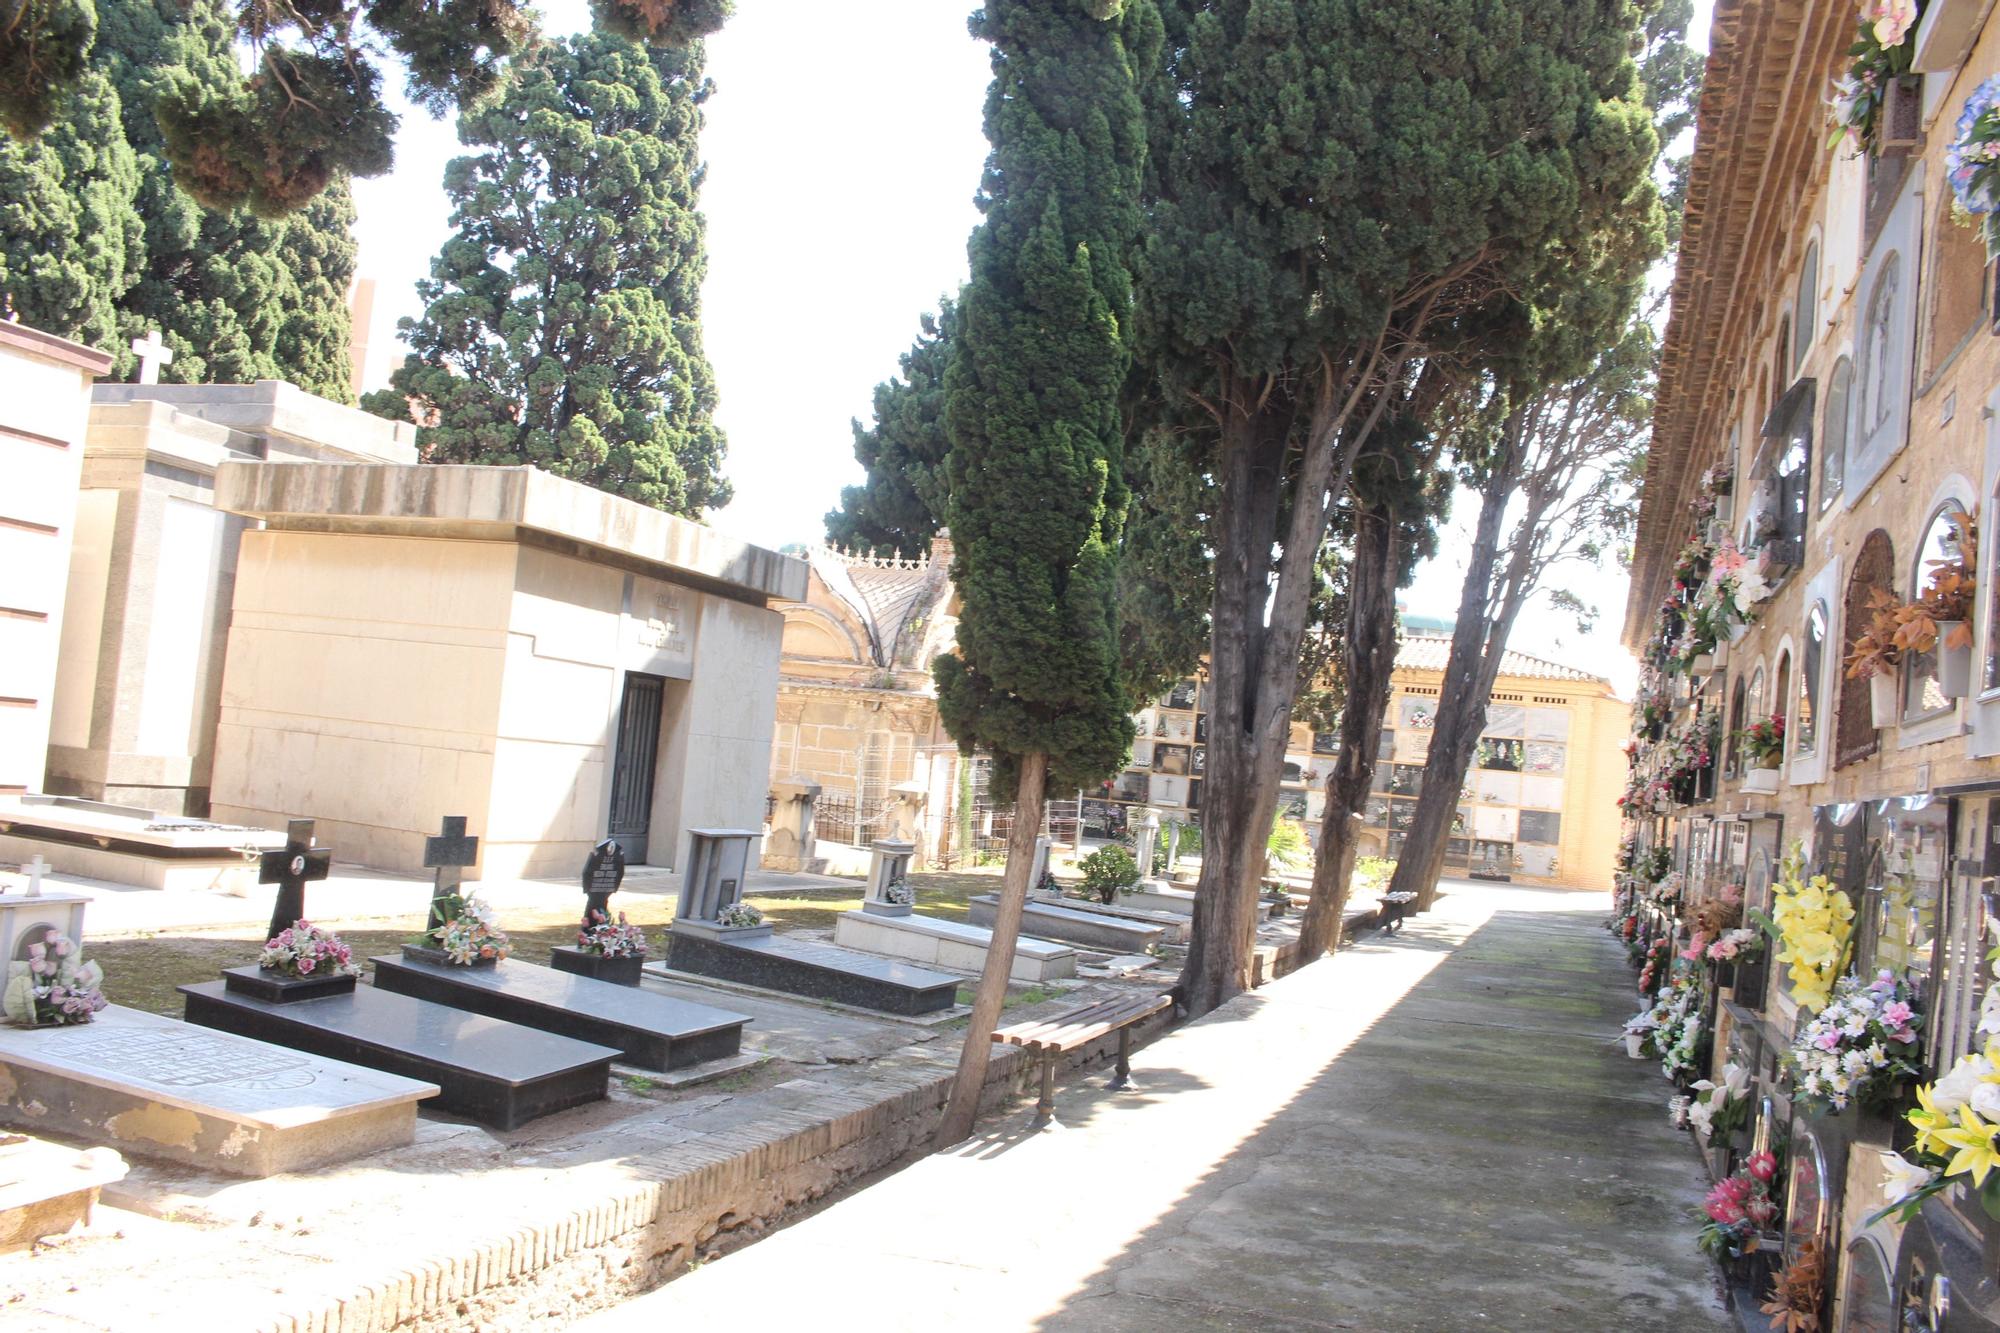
x=24, y=920
x=1039, y=867
x=718, y=865
x=889, y=892
x=448, y=854
x=1148, y=827
x=603, y=872
x=292, y=867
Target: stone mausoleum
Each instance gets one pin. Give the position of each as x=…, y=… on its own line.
x=272, y=610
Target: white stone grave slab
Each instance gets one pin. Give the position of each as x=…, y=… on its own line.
x=157, y=1087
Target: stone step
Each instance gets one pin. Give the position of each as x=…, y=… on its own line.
x=497, y=1073
x=157, y=1087
x=818, y=971
x=654, y=1031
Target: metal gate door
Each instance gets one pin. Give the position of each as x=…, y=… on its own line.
x=632, y=766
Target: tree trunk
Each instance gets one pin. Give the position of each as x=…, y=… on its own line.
x=1369, y=660
x=963, y=1107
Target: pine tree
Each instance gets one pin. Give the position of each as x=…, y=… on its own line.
x=562, y=320
x=1032, y=410
x=237, y=297
x=70, y=243
x=904, y=500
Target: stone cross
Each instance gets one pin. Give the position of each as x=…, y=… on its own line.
x=152, y=355
x=448, y=852
x=603, y=872
x=295, y=865
x=36, y=869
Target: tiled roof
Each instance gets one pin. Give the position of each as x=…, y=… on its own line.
x=1428, y=652
x=883, y=593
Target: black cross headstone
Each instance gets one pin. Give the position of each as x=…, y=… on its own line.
x=603, y=872
x=448, y=853
x=291, y=868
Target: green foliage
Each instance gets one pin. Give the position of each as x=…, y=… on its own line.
x=1032, y=398
x=1106, y=871
x=70, y=244
x=43, y=45
x=905, y=498
x=308, y=111
x=1371, y=874
x=562, y=325
x=1164, y=565
x=1288, y=847
x=1189, y=841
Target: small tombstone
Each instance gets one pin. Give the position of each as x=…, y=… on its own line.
x=1149, y=832
x=448, y=853
x=717, y=865
x=1039, y=867
x=292, y=867
x=36, y=869
x=603, y=872
x=889, y=892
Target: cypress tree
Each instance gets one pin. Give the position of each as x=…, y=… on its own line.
x=309, y=111
x=70, y=245
x=1032, y=411
x=563, y=319
x=237, y=297
x=1338, y=183
x=904, y=500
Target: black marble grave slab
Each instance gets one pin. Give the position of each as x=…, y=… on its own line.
x=653, y=1031
x=624, y=970
x=820, y=971
x=278, y=988
x=500, y=1074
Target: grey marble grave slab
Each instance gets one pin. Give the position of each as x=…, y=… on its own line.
x=653, y=1031
x=497, y=1073
x=1061, y=922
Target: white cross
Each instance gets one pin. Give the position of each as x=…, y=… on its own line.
x=36, y=869
x=152, y=355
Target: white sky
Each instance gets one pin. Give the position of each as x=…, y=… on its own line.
x=842, y=160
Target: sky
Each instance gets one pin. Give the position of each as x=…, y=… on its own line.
x=842, y=162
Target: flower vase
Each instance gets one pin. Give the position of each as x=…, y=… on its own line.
x=1702, y=664
x=1761, y=781
x=1882, y=698
x=1737, y=631
x=1635, y=1045
x=1899, y=124
x=1954, y=667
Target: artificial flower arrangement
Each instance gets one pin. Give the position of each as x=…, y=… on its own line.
x=1737, y=945
x=1679, y=1031
x=1972, y=161
x=1814, y=924
x=606, y=938
x=1957, y=1123
x=1718, y=1110
x=1740, y=1208
x=305, y=950
x=470, y=933
x=1857, y=1048
x=1639, y=1029
x=1881, y=54
x=739, y=914
x=1762, y=744
x=1659, y=959
x=898, y=893
x=1718, y=480
x=53, y=986
x=1798, y=1292
x=1733, y=588
x=1897, y=628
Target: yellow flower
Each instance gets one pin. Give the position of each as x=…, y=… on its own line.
x=1929, y=1122
x=1973, y=1138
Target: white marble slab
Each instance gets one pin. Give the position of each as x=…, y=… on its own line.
x=949, y=944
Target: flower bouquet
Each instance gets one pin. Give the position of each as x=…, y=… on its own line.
x=1957, y=1123
x=1720, y=1109
x=739, y=915
x=1972, y=162
x=1739, y=1209
x=53, y=986
x=1740, y=944
x=1857, y=1047
x=304, y=950
x=1815, y=925
x=1763, y=743
x=1680, y=1028
x=1879, y=60
x=898, y=893
x=605, y=938
x=471, y=934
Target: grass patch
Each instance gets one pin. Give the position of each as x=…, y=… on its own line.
x=946, y=895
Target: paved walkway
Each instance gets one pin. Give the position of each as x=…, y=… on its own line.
x=1436, y=1131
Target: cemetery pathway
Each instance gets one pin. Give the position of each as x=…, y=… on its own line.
x=1434, y=1131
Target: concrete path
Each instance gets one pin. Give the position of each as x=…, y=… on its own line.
x=1435, y=1131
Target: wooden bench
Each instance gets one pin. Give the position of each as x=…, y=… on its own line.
x=1395, y=907
x=1054, y=1037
